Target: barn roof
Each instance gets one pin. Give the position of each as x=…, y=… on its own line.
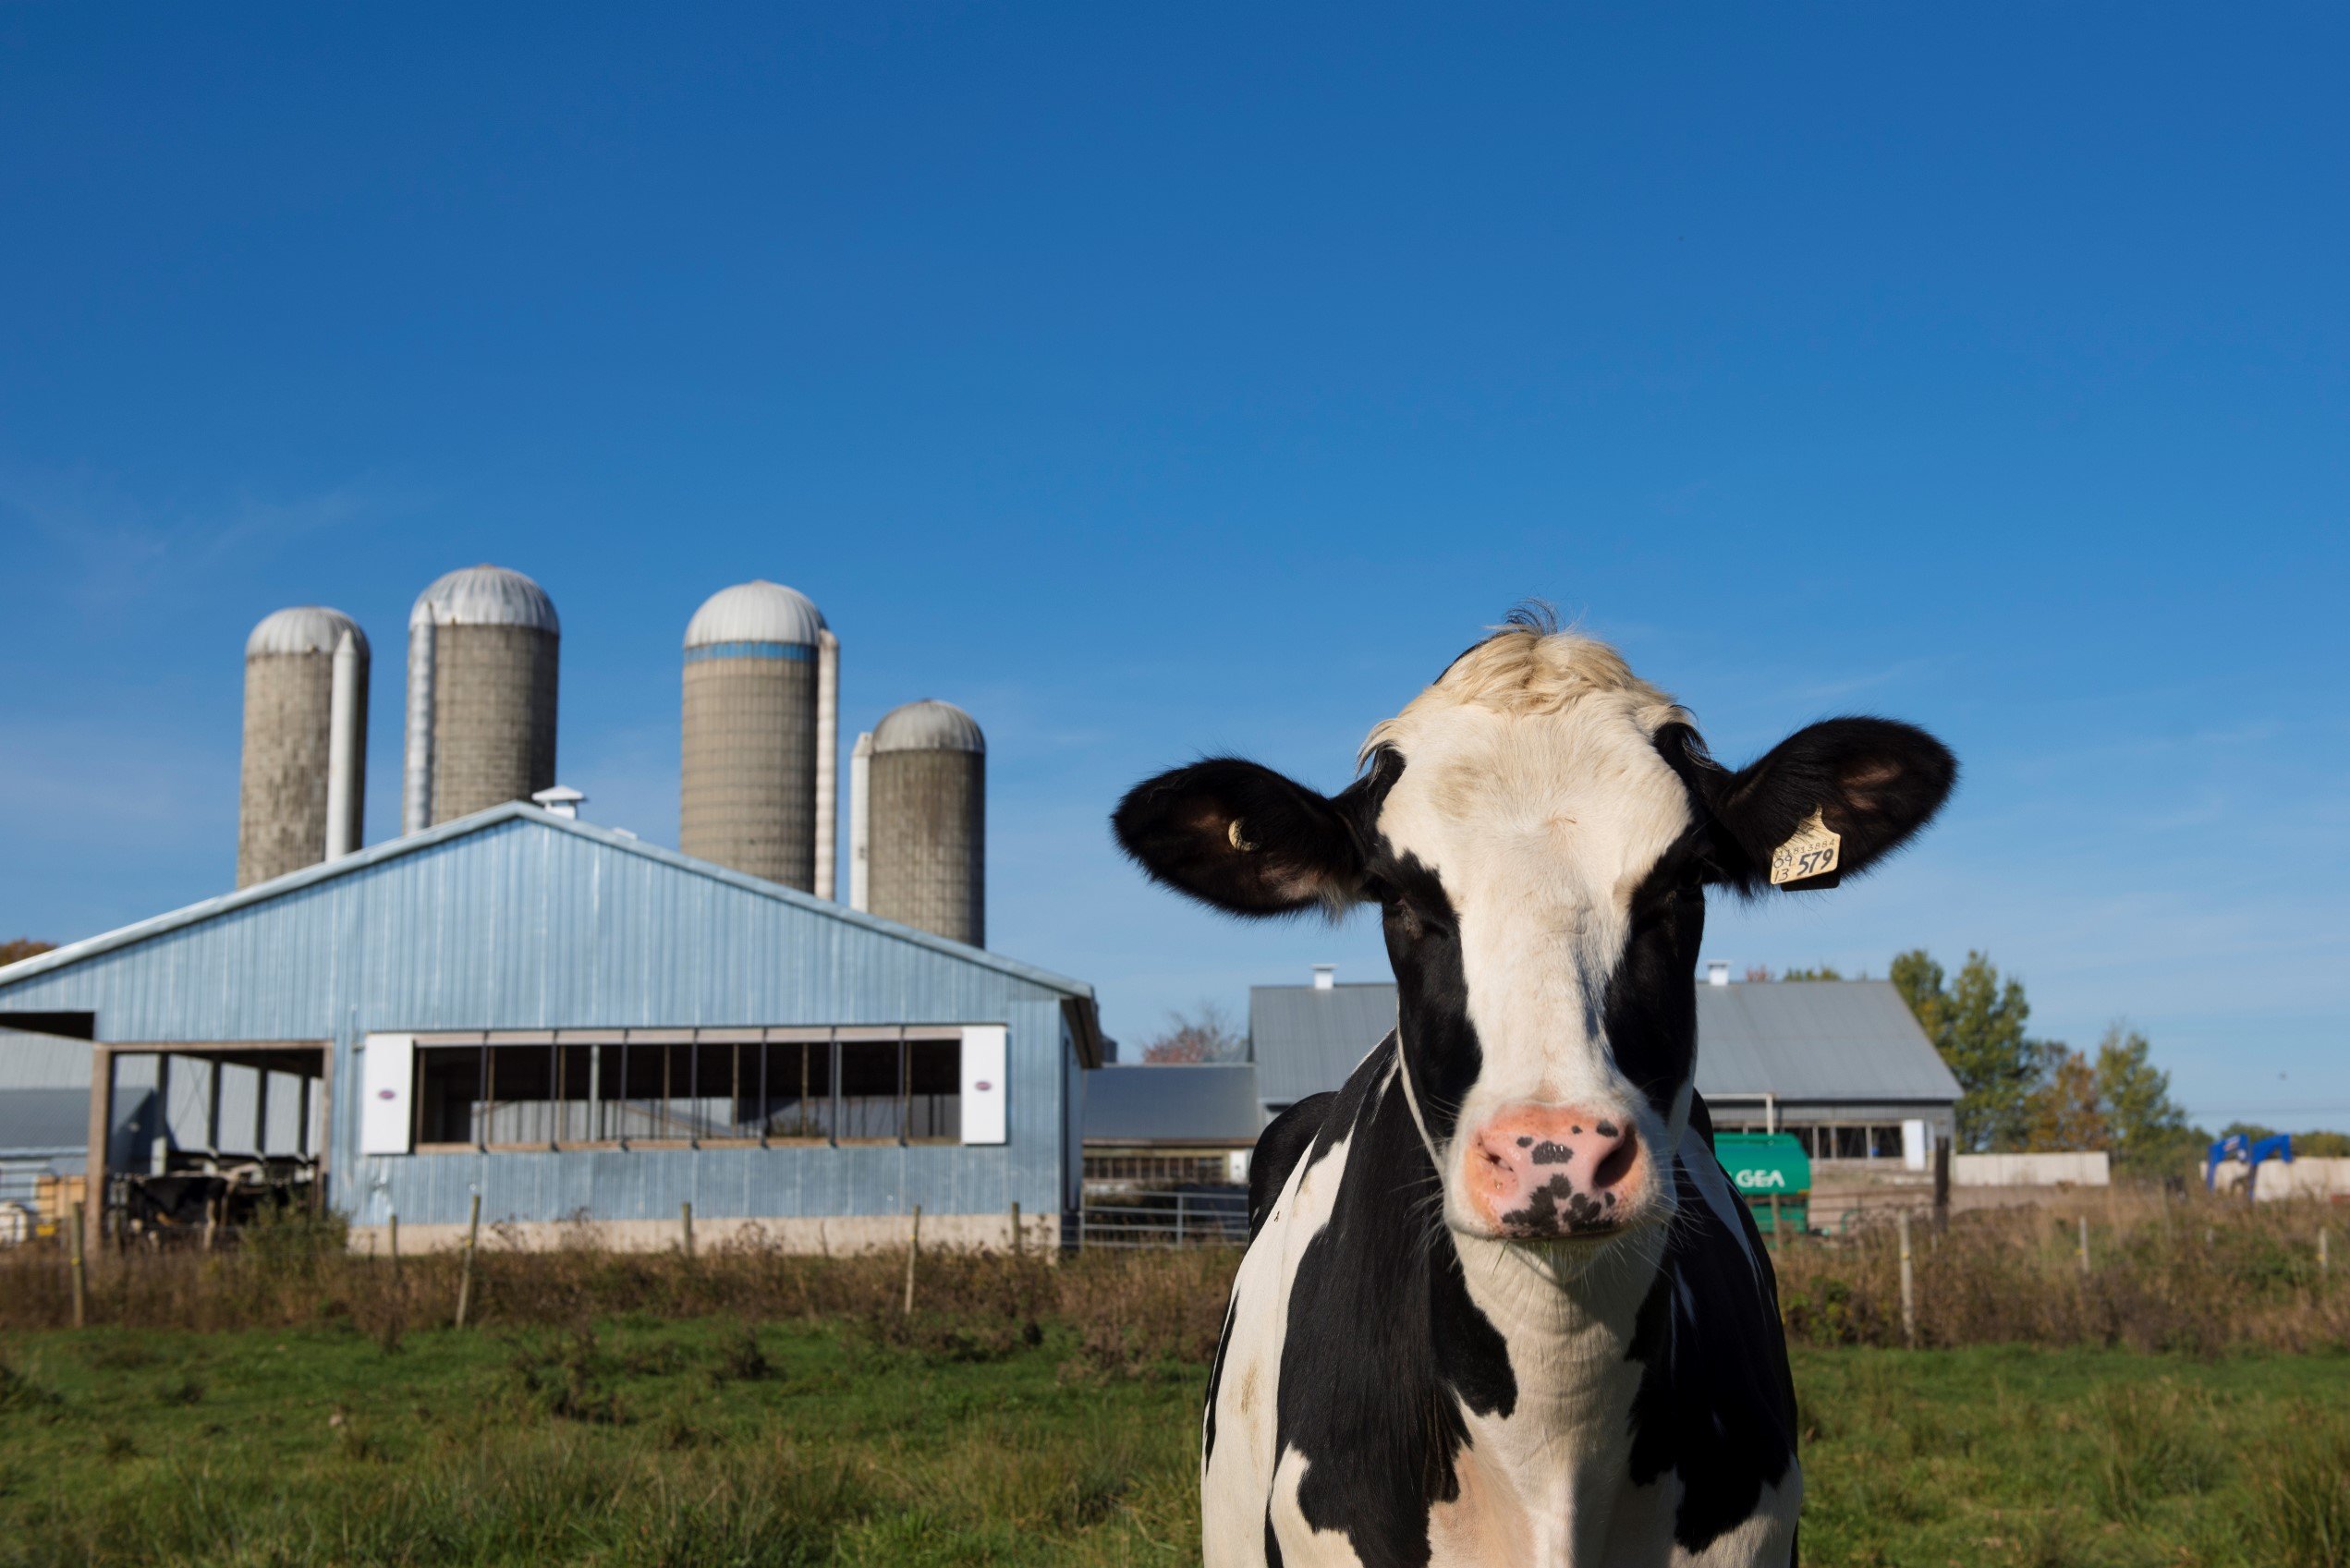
x=480, y=823
x=1202, y=1103
x=1803, y=1041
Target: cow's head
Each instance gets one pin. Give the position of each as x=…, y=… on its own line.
x=1538, y=830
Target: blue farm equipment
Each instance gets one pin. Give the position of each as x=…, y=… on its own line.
x=2250, y=1151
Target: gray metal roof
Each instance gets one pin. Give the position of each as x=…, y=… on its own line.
x=305, y=629
x=758, y=611
x=928, y=725
x=484, y=596
x=1306, y=1040
x=1816, y=1041
x=1207, y=1103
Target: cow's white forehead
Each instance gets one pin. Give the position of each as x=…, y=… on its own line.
x=1531, y=764
x=1575, y=806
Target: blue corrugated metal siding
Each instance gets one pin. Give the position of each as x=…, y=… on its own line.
x=526, y=923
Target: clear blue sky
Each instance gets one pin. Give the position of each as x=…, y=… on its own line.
x=1151, y=379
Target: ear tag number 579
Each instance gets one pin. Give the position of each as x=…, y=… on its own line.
x=1813, y=850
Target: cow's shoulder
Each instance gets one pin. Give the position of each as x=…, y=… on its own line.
x=1716, y=1402
x=1279, y=1148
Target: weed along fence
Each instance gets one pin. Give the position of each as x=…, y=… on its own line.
x=2118, y=1267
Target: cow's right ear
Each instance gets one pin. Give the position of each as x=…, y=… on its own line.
x=1241, y=837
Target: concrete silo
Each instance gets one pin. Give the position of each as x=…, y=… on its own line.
x=302, y=791
x=920, y=823
x=482, y=646
x=761, y=737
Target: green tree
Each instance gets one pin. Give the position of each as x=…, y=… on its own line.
x=1977, y=1022
x=2150, y=1131
x=1820, y=972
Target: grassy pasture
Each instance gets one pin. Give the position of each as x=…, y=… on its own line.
x=2186, y=1399
x=710, y=1441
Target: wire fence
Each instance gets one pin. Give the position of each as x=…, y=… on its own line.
x=1214, y=1217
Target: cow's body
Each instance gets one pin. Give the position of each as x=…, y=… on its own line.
x=1474, y=1410
x=1501, y=1305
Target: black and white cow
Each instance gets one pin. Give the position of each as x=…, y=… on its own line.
x=1500, y=1304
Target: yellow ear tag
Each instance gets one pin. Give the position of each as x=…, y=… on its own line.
x=1813, y=851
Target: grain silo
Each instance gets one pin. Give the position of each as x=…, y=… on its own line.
x=302, y=791
x=762, y=735
x=483, y=644
x=922, y=821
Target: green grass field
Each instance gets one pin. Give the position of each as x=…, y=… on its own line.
x=705, y=1442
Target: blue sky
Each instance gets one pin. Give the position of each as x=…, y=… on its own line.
x=1153, y=381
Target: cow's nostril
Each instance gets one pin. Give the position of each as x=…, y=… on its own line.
x=1616, y=1165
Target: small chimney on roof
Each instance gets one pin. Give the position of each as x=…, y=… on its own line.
x=1717, y=971
x=1325, y=976
x=563, y=800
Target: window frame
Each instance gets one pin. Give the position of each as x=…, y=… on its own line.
x=602, y=1110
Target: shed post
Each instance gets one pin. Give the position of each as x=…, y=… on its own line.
x=102, y=1121
x=322, y=1165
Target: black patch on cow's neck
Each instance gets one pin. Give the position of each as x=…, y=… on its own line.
x=1716, y=1404
x=1385, y=1346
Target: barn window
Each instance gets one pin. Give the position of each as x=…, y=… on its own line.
x=586, y=1088
x=797, y=1090
x=870, y=1090
x=934, y=1090
x=448, y=1095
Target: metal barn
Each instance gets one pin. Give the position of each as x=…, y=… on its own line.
x=583, y=1029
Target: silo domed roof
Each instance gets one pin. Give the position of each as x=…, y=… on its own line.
x=305, y=629
x=758, y=611
x=929, y=726
x=486, y=596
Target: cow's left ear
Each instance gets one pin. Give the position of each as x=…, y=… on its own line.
x=1243, y=838
x=1873, y=782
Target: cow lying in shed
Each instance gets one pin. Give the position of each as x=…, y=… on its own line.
x=1499, y=1303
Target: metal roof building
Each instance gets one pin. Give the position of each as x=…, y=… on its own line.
x=1206, y=1105
x=575, y=1025
x=1825, y=1054
x=1171, y=1124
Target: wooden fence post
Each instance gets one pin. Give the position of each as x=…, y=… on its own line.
x=1019, y=1242
x=2084, y=1223
x=81, y=1274
x=1941, y=1186
x=1908, y=1285
x=913, y=1250
x=2325, y=1259
x=395, y=1229
x=685, y=1220
x=465, y=1270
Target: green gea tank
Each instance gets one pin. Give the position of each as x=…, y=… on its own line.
x=1773, y=1173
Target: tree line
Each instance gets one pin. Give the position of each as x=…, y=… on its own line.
x=2022, y=1094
